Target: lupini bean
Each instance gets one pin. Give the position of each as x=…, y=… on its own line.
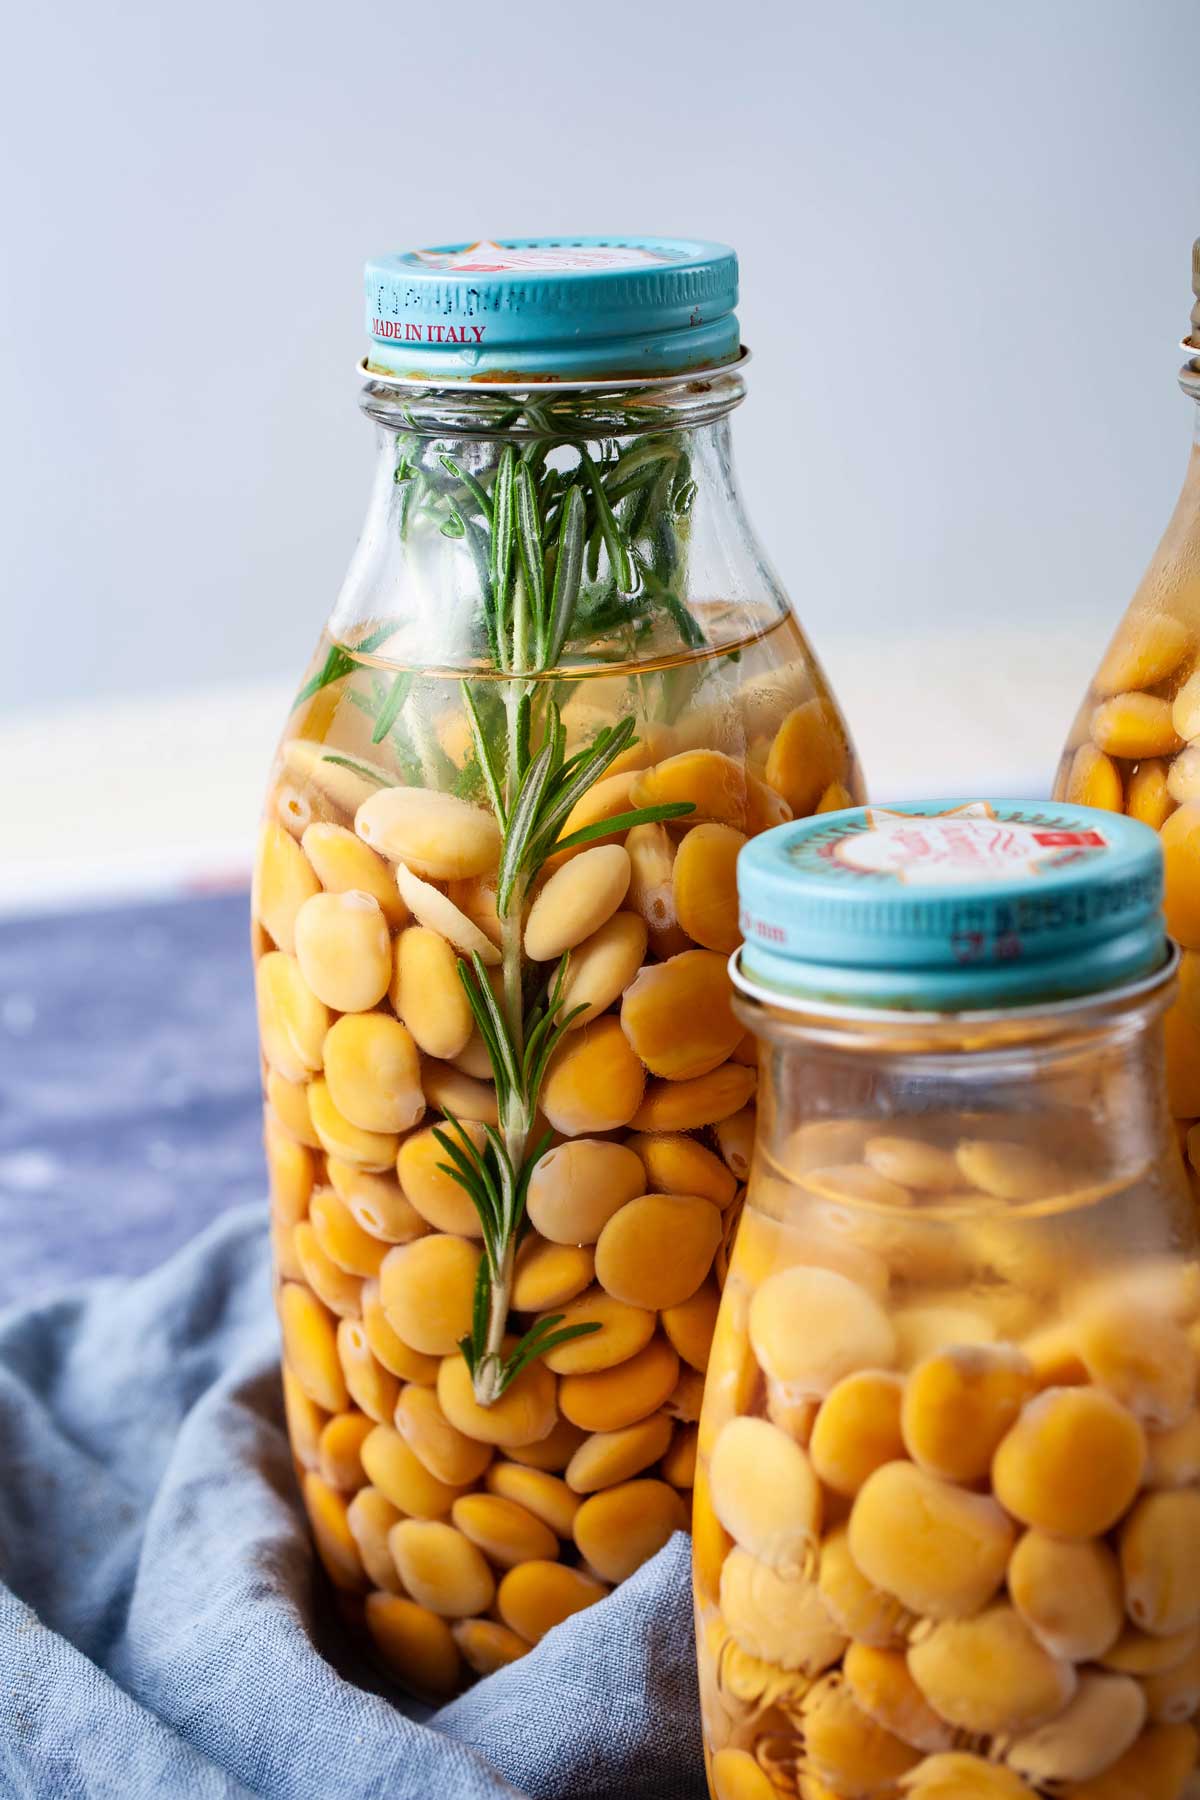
x=349, y=1143
x=847, y=1748
x=676, y=1164
x=957, y=1775
x=1148, y=647
x=620, y=1528
x=283, y=881
x=766, y=1495
x=781, y=1618
x=1174, y=1456
x=292, y=1022
x=344, y=950
x=291, y=1170
x=288, y=1101
x=388, y=1347
x=736, y=1776
x=576, y=901
x=1137, y=1653
x=374, y=1072
x=440, y=1200
x=1009, y=1171
x=988, y=1673
x=343, y=862
x=1149, y=798
x=940, y=1550
x=1095, y=780
x=1156, y=1767
x=1096, y=1727
x=430, y=907
x=371, y=1386
x=679, y=1464
x=1174, y=1695
x=1069, y=1594
x=913, y=1164
x=416, y=1645
x=594, y=1081
x=339, y=1450
x=376, y=1201
x=858, y=1610
x=546, y=1275
x=857, y=1429
x=601, y=967
x=1071, y=1464
x=685, y=1397
x=882, y=1688
x=1180, y=839
x=345, y=780
x=507, y=1533
x=334, y=1287
x=524, y=1414
x=959, y=1403
x=305, y=1421
x=536, y=1596
x=689, y=1326
x=678, y=1017
x=448, y=1454
x=702, y=1100
x=844, y=1330
x=623, y=1331
x=438, y=836
x=552, y=1452
x=1159, y=1562
x=427, y=993
x=545, y=1495
x=1131, y=726
x=402, y=1477
x=715, y=784
x=704, y=881
x=326, y=1510
x=341, y=1237
x=447, y=1090
x=427, y=1289
x=577, y=1187
x=310, y=1347
x=612, y=1398
x=656, y=1249
x=808, y=752
x=735, y=1140
x=1183, y=775
x=486, y=1645
x=651, y=893
x=441, y=1568
x=1142, y=1358
x=370, y=1516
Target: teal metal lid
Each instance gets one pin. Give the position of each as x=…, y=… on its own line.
x=950, y=906
x=573, y=308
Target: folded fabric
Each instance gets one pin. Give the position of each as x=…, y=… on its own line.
x=158, y=1635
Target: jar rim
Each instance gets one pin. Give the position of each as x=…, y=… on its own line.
x=553, y=384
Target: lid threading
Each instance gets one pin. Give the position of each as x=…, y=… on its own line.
x=951, y=905
x=545, y=309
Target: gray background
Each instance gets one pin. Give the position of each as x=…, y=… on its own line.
x=964, y=233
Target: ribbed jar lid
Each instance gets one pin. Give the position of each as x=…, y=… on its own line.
x=951, y=906
x=572, y=308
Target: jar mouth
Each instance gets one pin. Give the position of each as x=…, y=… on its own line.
x=539, y=384
x=1070, y=1012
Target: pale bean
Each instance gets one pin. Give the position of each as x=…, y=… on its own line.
x=437, y=835
x=477, y=898
x=371, y=1386
x=958, y=1775
x=657, y=1249
x=846, y=1747
x=1159, y=1563
x=576, y=901
x=881, y=1686
x=989, y=1673
x=844, y=1329
x=602, y=966
x=283, y=880
x=678, y=1015
x=1183, y=775
x=594, y=1081
x=427, y=1289
x=374, y=1072
x=343, y=862
x=345, y=780
x=940, y=1550
x=1010, y=1171
x=431, y=908
x=781, y=1618
x=766, y=1495
x=374, y=1150
x=439, y=1198
x=651, y=894
x=292, y=1021
x=1142, y=1358
x=859, y=1610
x=576, y=1188
x=924, y=1330
x=427, y=993
x=913, y=1164
x=370, y=1516
x=1069, y=1594
x=536, y=1596
x=1174, y=1456
x=415, y=1644
x=344, y=950
x=524, y=1414
x=441, y=1568
x=1095, y=1728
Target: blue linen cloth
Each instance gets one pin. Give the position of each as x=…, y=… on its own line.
x=157, y=1631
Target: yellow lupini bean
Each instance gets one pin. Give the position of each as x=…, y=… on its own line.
x=678, y=1465
x=388, y=1347
x=940, y=1550
x=808, y=752
x=781, y=1618
x=913, y=1164
x=857, y=1429
x=765, y=1494
x=344, y=950
x=305, y=1421
x=1183, y=775
x=1147, y=648
x=335, y=1287
x=703, y=1100
x=370, y=1516
x=594, y=1081
x=651, y=893
x=882, y=1688
x=402, y=1477
x=704, y=882
x=283, y=880
x=736, y=1776
x=486, y=1645
x=345, y=780
x=447, y=1090
x=554, y=1451
x=844, y=1330
x=1137, y=1653
x=448, y=1454
x=545, y=1495
x=524, y=1414
x=1174, y=1456
x=288, y=1101
x=343, y=862
x=1010, y=1171
x=576, y=901
x=1149, y=798
x=715, y=784
x=371, y=1386
x=1185, y=708
x=711, y=1543
x=438, y=836
x=612, y=1398
x=1142, y=1358
x=440, y=1200
x=340, y=1448
x=605, y=799
x=656, y=1250
x=341, y=1237
x=683, y=1402
x=601, y=968
x=477, y=899
x=957, y=1775
x=294, y=808
x=326, y=1510
x=292, y=1022
x=373, y=1072
x=677, y=1164
x=441, y=1568
x=427, y=993
x=310, y=1347
x=546, y=1275
x=689, y=1327
x=434, y=909
x=959, y=1403
x=1133, y=725
x=416, y=1645
x=735, y=1140
x=1156, y=1767
x=859, y=1610
x=848, y=1749
x=576, y=1187
x=507, y=1533
x=620, y=1528
x=1159, y=1563
x=1071, y=1464
x=375, y=1150
x=989, y=1674
x=1180, y=839
x=427, y=1289
x=1095, y=780
x=678, y=1017
x=623, y=1331
x=290, y=1169
x=1069, y=1594
x=1095, y=1728
x=1174, y=1695
x=536, y=1596
x=376, y=1202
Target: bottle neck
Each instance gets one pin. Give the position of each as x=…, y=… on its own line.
x=486, y=502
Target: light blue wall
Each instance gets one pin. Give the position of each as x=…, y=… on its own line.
x=980, y=217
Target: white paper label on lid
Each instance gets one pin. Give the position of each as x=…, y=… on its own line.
x=968, y=844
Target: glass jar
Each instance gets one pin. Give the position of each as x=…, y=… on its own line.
x=947, y=1499
x=1135, y=744
x=509, y=1105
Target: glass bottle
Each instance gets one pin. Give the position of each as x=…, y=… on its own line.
x=508, y=1102
x=947, y=1499
x=1135, y=744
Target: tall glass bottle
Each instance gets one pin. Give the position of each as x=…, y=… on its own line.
x=509, y=1104
x=1135, y=743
